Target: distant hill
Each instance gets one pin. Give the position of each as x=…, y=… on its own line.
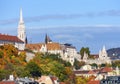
x=114, y=53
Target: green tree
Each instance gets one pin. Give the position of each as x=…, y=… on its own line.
x=52, y=64
x=4, y=74
x=116, y=63
x=94, y=65
x=83, y=49
x=77, y=64
x=21, y=71
x=33, y=69
x=102, y=65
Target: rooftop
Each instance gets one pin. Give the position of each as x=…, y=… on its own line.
x=10, y=38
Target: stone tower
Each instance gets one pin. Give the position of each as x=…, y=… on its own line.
x=21, y=28
x=103, y=54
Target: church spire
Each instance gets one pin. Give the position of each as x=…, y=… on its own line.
x=47, y=39
x=21, y=17
x=21, y=28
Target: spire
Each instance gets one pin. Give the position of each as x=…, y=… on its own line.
x=21, y=17
x=104, y=49
x=47, y=39
x=21, y=28
x=26, y=41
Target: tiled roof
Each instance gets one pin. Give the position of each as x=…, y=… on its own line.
x=81, y=72
x=106, y=69
x=50, y=46
x=91, y=72
x=53, y=46
x=94, y=82
x=7, y=82
x=34, y=46
x=10, y=38
x=87, y=72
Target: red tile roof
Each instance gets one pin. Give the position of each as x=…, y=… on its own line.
x=53, y=46
x=34, y=46
x=7, y=82
x=106, y=69
x=81, y=72
x=91, y=72
x=50, y=46
x=94, y=82
x=87, y=72
x=10, y=38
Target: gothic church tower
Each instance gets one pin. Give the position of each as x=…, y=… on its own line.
x=21, y=28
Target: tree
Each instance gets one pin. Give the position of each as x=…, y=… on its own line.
x=1, y=54
x=83, y=49
x=81, y=80
x=78, y=64
x=116, y=63
x=4, y=74
x=94, y=65
x=33, y=69
x=10, y=50
x=102, y=65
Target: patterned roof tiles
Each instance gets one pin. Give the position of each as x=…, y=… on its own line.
x=53, y=46
x=10, y=38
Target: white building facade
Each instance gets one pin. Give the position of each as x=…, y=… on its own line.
x=102, y=59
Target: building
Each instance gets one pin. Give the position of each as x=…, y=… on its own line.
x=25, y=81
x=69, y=52
x=48, y=80
x=14, y=40
x=66, y=51
x=101, y=59
x=111, y=80
x=17, y=41
x=53, y=48
x=21, y=28
x=94, y=82
x=100, y=73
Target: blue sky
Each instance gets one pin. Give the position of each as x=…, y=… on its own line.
x=83, y=23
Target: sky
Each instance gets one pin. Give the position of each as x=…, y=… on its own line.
x=82, y=23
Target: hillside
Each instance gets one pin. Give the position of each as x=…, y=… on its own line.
x=114, y=53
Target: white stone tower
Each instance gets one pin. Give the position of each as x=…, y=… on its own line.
x=21, y=28
x=103, y=54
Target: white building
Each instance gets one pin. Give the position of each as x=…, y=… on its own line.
x=53, y=48
x=14, y=40
x=103, y=58
x=69, y=53
x=66, y=51
x=18, y=42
